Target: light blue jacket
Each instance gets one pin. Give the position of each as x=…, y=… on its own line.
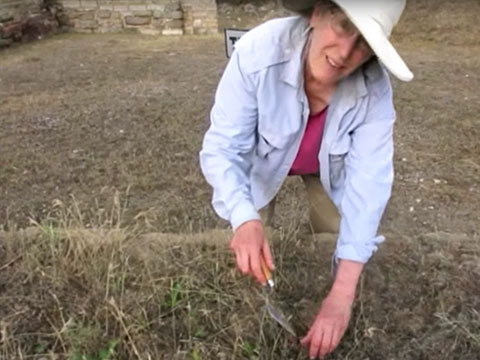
x=257, y=123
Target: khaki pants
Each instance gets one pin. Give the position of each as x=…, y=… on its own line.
x=324, y=217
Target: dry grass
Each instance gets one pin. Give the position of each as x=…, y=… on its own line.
x=113, y=292
x=147, y=275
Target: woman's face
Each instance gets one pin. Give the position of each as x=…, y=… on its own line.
x=336, y=49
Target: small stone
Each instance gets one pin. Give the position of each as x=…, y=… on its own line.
x=105, y=6
x=136, y=8
x=64, y=20
x=104, y=14
x=5, y=42
x=88, y=15
x=156, y=7
x=72, y=15
x=174, y=24
x=120, y=8
x=225, y=7
x=176, y=15
x=6, y=16
x=86, y=24
x=11, y=30
x=172, y=7
x=147, y=31
x=250, y=9
x=89, y=4
x=200, y=31
x=133, y=20
x=109, y=27
x=143, y=13
x=158, y=14
x=172, y=32
x=71, y=4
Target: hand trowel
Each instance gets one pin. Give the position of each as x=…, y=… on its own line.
x=274, y=311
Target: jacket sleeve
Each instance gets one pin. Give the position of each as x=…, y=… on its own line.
x=225, y=158
x=368, y=183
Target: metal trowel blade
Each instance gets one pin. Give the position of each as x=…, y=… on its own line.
x=277, y=315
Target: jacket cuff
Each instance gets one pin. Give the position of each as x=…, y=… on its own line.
x=242, y=213
x=350, y=252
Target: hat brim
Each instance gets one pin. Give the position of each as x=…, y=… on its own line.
x=380, y=44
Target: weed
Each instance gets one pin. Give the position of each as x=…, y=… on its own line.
x=174, y=295
x=195, y=355
x=47, y=228
x=103, y=354
x=248, y=349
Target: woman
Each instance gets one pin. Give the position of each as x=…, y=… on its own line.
x=309, y=95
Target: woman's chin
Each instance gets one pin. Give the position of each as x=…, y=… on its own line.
x=327, y=77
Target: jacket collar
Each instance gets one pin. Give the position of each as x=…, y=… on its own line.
x=292, y=72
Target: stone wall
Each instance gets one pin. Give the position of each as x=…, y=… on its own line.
x=26, y=20
x=154, y=17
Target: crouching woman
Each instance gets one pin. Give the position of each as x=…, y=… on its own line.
x=309, y=96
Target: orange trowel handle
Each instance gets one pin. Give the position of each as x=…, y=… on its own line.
x=266, y=272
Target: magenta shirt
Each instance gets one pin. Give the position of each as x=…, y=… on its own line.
x=306, y=161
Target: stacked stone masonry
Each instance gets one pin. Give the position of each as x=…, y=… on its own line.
x=153, y=17
x=27, y=20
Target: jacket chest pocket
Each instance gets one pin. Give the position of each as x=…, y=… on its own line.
x=268, y=142
x=337, y=157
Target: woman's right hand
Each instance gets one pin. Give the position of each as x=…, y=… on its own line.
x=249, y=245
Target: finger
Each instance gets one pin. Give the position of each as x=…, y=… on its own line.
x=256, y=268
x=267, y=255
x=325, y=346
x=233, y=244
x=317, y=338
x=238, y=260
x=336, y=337
x=307, y=338
x=242, y=261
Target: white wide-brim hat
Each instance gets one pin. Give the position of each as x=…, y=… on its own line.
x=375, y=20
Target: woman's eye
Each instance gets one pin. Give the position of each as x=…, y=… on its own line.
x=363, y=44
x=347, y=26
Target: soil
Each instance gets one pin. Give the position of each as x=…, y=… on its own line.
x=84, y=116
x=70, y=294
x=103, y=131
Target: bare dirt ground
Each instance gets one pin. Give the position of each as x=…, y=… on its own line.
x=84, y=115
x=103, y=131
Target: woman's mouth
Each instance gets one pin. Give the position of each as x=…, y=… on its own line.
x=333, y=63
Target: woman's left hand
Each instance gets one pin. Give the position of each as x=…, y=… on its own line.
x=329, y=325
